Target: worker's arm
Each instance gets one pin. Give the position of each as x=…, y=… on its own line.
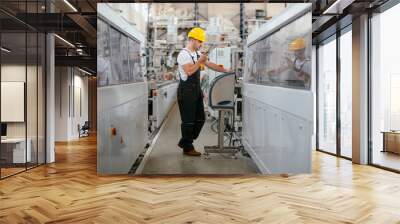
x=288, y=65
x=215, y=67
x=190, y=69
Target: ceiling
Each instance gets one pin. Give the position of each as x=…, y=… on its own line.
x=77, y=22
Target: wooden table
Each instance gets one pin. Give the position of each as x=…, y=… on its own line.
x=391, y=141
x=13, y=150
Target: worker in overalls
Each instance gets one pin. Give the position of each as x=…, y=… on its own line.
x=190, y=96
x=297, y=69
x=301, y=64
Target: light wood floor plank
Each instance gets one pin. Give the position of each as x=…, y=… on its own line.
x=70, y=191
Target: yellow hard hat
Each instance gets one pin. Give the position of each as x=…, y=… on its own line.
x=297, y=44
x=198, y=34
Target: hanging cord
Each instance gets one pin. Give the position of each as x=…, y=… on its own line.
x=229, y=130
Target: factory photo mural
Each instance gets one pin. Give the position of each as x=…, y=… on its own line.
x=171, y=85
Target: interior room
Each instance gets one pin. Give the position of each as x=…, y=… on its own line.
x=75, y=81
x=25, y=66
x=22, y=103
x=72, y=106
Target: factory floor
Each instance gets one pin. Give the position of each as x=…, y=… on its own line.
x=167, y=158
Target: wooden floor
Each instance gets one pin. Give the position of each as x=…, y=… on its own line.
x=5, y=172
x=69, y=191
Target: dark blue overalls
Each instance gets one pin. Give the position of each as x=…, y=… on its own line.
x=191, y=108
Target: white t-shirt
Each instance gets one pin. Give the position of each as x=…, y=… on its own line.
x=185, y=58
x=303, y=65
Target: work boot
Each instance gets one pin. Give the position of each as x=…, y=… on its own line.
x=192, y=152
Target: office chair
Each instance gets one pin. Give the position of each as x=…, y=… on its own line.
x=221, y=99
x=84, y=130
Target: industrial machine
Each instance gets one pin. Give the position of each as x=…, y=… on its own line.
x=228, y=57
x=221, y=99
x=122, y=93
x=278, y=108
x=220, y=56
x=162, y=97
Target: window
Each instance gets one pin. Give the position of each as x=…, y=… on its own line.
x=103, y=54
x=134, y=60
x=267, y=65
x=385, y=89
x=118, y=57
x=327, y=96
x=346, y=93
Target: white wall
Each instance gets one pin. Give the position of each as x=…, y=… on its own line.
x=79, y=118
x=67, y=116
x=61, y=103
x=12, y=73
x=33, y=126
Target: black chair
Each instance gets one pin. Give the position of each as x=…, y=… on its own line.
x=221, y=99
x=84, y=130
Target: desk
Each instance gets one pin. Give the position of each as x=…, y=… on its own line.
x=13, y=150
x=391, y=141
